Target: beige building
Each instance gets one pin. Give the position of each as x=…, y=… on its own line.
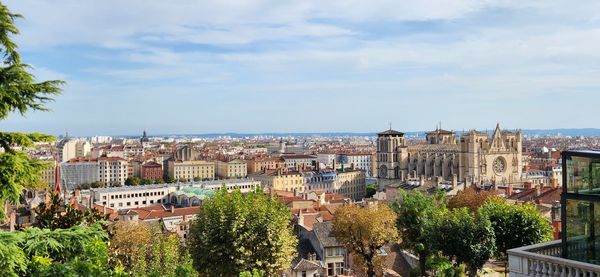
x=49, y=174
x=189, y=170
x=232, y=169
x=113, y=170
x=475, y=158
x=263, y=164
x=350, y=183
x=281, y=180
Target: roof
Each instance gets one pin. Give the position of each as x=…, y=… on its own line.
x=324, y=233
x=306, y=265
x=390, y=132
x=157, y=212
x=435, y=147
x=298, y=156
x=441, y=131
x=82, y=160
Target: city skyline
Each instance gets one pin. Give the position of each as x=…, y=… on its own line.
x=202, y=67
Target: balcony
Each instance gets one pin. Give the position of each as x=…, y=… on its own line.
x=544, y=260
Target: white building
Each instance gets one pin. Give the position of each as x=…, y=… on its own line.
x=112, y=170
x=180, y=194
x=131, y=197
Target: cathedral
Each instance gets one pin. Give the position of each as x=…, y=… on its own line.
x=474, y=157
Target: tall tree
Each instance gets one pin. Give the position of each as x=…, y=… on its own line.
x=417, y=214
x=515, y=225
x=364, y=231
x=470, y=198
x=245, y=232
x=19, y=92
x=474, y=245
x=145, y=251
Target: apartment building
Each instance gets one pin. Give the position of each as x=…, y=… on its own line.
x=262, y=164
x=113, y=170
x=231, y=169
x=280, y=180
x=152, y=171
x=299, y=161
x=189, y=170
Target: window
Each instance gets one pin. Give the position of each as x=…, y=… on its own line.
x=330, y=269
x=339, y=268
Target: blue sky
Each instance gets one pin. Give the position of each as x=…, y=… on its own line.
x=311, y=66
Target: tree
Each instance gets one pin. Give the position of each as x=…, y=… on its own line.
x=515, y=225
x=417, y=214
x=133, y=181
x=56, y=215
x=470, y=198
x=145, y=251
x=146, y=182
x=244, y=232
x=170, y=180
x=364, y=231
x=98, y=184
x=76, y=251
x=475, y=244
x=19, y=92
x=371, y=190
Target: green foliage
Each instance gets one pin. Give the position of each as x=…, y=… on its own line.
x=417, y=215
x=133, y=181
x=371, y=190
x=253, y=273
x=56, y=215
x=77, y=251
x=19, y=92
x=170, y=180
x=515, y=225
x=244, y=232
x=146, y=251
x=475, y=244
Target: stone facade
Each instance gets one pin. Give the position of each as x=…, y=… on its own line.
x=475, y=157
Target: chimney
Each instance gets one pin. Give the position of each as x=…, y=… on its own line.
x=13, y=219
x=301, y=218
x=509, y=190
x=172, y=208
x=77, y=194
x=454, y=180
x=554, y=183
x=312, y=257
x=538, y=189
x=104, y=210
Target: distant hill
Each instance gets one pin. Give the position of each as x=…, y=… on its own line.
x=591, y=132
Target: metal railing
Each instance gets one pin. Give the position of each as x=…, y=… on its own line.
x=544, y=260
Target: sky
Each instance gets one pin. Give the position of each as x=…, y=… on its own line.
x=310, y=66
